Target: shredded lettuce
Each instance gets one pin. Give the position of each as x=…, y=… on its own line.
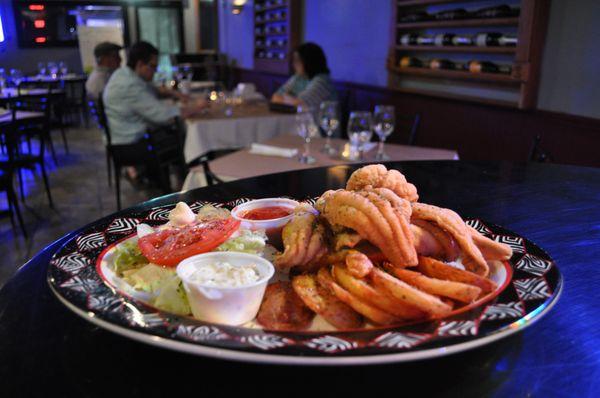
x=245, y=241
x=172, y=297
x=148, y=278
x=128, y=257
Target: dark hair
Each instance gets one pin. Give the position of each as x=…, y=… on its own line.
x=140, y=51
x=313, y=58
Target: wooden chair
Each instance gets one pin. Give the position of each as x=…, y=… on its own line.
x=409, y=123
x=75, y=101
x=537, y=153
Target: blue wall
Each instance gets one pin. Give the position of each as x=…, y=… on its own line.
x=354, y=34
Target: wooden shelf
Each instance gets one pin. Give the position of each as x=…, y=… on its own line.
x=276, y=48
x=457, y=74
x=270, y=21
x=460, y=49
x=272, y=8
x=416, y=3
x=512, y=21
x=460, y=97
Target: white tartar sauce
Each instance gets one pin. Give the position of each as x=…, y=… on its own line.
x=223, y=274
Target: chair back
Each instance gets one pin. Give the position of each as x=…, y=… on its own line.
x=75, y=93
x=410, y=124
x=102, y=119
x=537, y=153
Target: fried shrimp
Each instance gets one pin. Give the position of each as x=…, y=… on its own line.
x=377, y=176
x=452, y=223
x=304, y=242
x=374, y=219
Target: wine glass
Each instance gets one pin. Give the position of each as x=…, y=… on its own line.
x=42, y=69
x=53, y=69
x=384, y=121
x=329, y=120
x=307, y=129
x=360, y=131
x=63, y=68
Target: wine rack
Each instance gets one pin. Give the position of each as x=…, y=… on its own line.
x=276, y=34
x=505, y=37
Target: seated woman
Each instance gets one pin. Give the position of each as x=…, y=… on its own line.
x=310, y=84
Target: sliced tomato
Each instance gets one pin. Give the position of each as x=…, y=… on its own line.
x=170, y=246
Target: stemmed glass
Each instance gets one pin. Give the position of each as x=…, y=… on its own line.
x=384, y=121
x=307, y=129
x=42, y=68
x=53, y=69
x=63, y=68
x=360, y=131
x=16, y=77
x=329, y=120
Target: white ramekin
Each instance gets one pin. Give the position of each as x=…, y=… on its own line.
x=271, y=227
x=225, y=305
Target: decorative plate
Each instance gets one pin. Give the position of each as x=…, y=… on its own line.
x=532, y=290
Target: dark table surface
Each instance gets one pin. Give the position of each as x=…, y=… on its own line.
x=46, y=350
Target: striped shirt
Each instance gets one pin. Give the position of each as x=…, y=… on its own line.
x=311, y=91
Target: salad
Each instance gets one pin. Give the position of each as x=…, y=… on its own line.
x=148, y=261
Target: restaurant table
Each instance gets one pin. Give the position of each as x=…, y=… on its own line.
x=67, y=77
x=10, y=93
x=46, y=350
x=250, y=122
x=243, y=164
x=21, y=115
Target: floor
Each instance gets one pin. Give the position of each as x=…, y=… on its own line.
x=81, y=194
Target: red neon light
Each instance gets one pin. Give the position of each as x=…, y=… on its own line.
x=36, y=7
x=39, y=23
x=40, y=39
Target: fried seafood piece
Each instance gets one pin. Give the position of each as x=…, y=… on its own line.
x=367, y=310
x=458, y=291
x=452, y=223
x=377, y=176
x=490, y=249
x=404, y=292
x=283, y=309
x=323, y=302
x=346, y=239
x=437, y=269
x=374, y=219
x=358, y=264
x=376, y=297
x=304, y=242
x=447, y=249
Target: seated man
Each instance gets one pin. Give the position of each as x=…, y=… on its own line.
x=132, y=103
x=107, y=61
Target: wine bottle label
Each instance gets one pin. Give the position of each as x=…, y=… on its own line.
x=405, y=39
x=425, y=40
x=481, y=40
x=508, y=40
x=462, y=40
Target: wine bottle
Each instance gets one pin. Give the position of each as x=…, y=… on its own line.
x=508, y=40
x=501, y=11
x=488, y=39
x=415, y=17
x=444, y=39
x=426, y=40
x=450, y=15
x=441, y=64
x=281, y=56
x=462, y=40
x=409, y=39
x=487, y=67
x=406, y=62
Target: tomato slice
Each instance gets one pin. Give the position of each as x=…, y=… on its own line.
x=170, y=246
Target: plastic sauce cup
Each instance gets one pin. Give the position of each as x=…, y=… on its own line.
x=225, y=305
x=271, y=227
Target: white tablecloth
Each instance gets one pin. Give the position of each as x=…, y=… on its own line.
x=226, y=133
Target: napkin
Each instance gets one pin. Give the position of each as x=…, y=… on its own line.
x=3, y=111
x=269, y=150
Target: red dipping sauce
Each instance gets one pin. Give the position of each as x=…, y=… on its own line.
x=267, y=213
